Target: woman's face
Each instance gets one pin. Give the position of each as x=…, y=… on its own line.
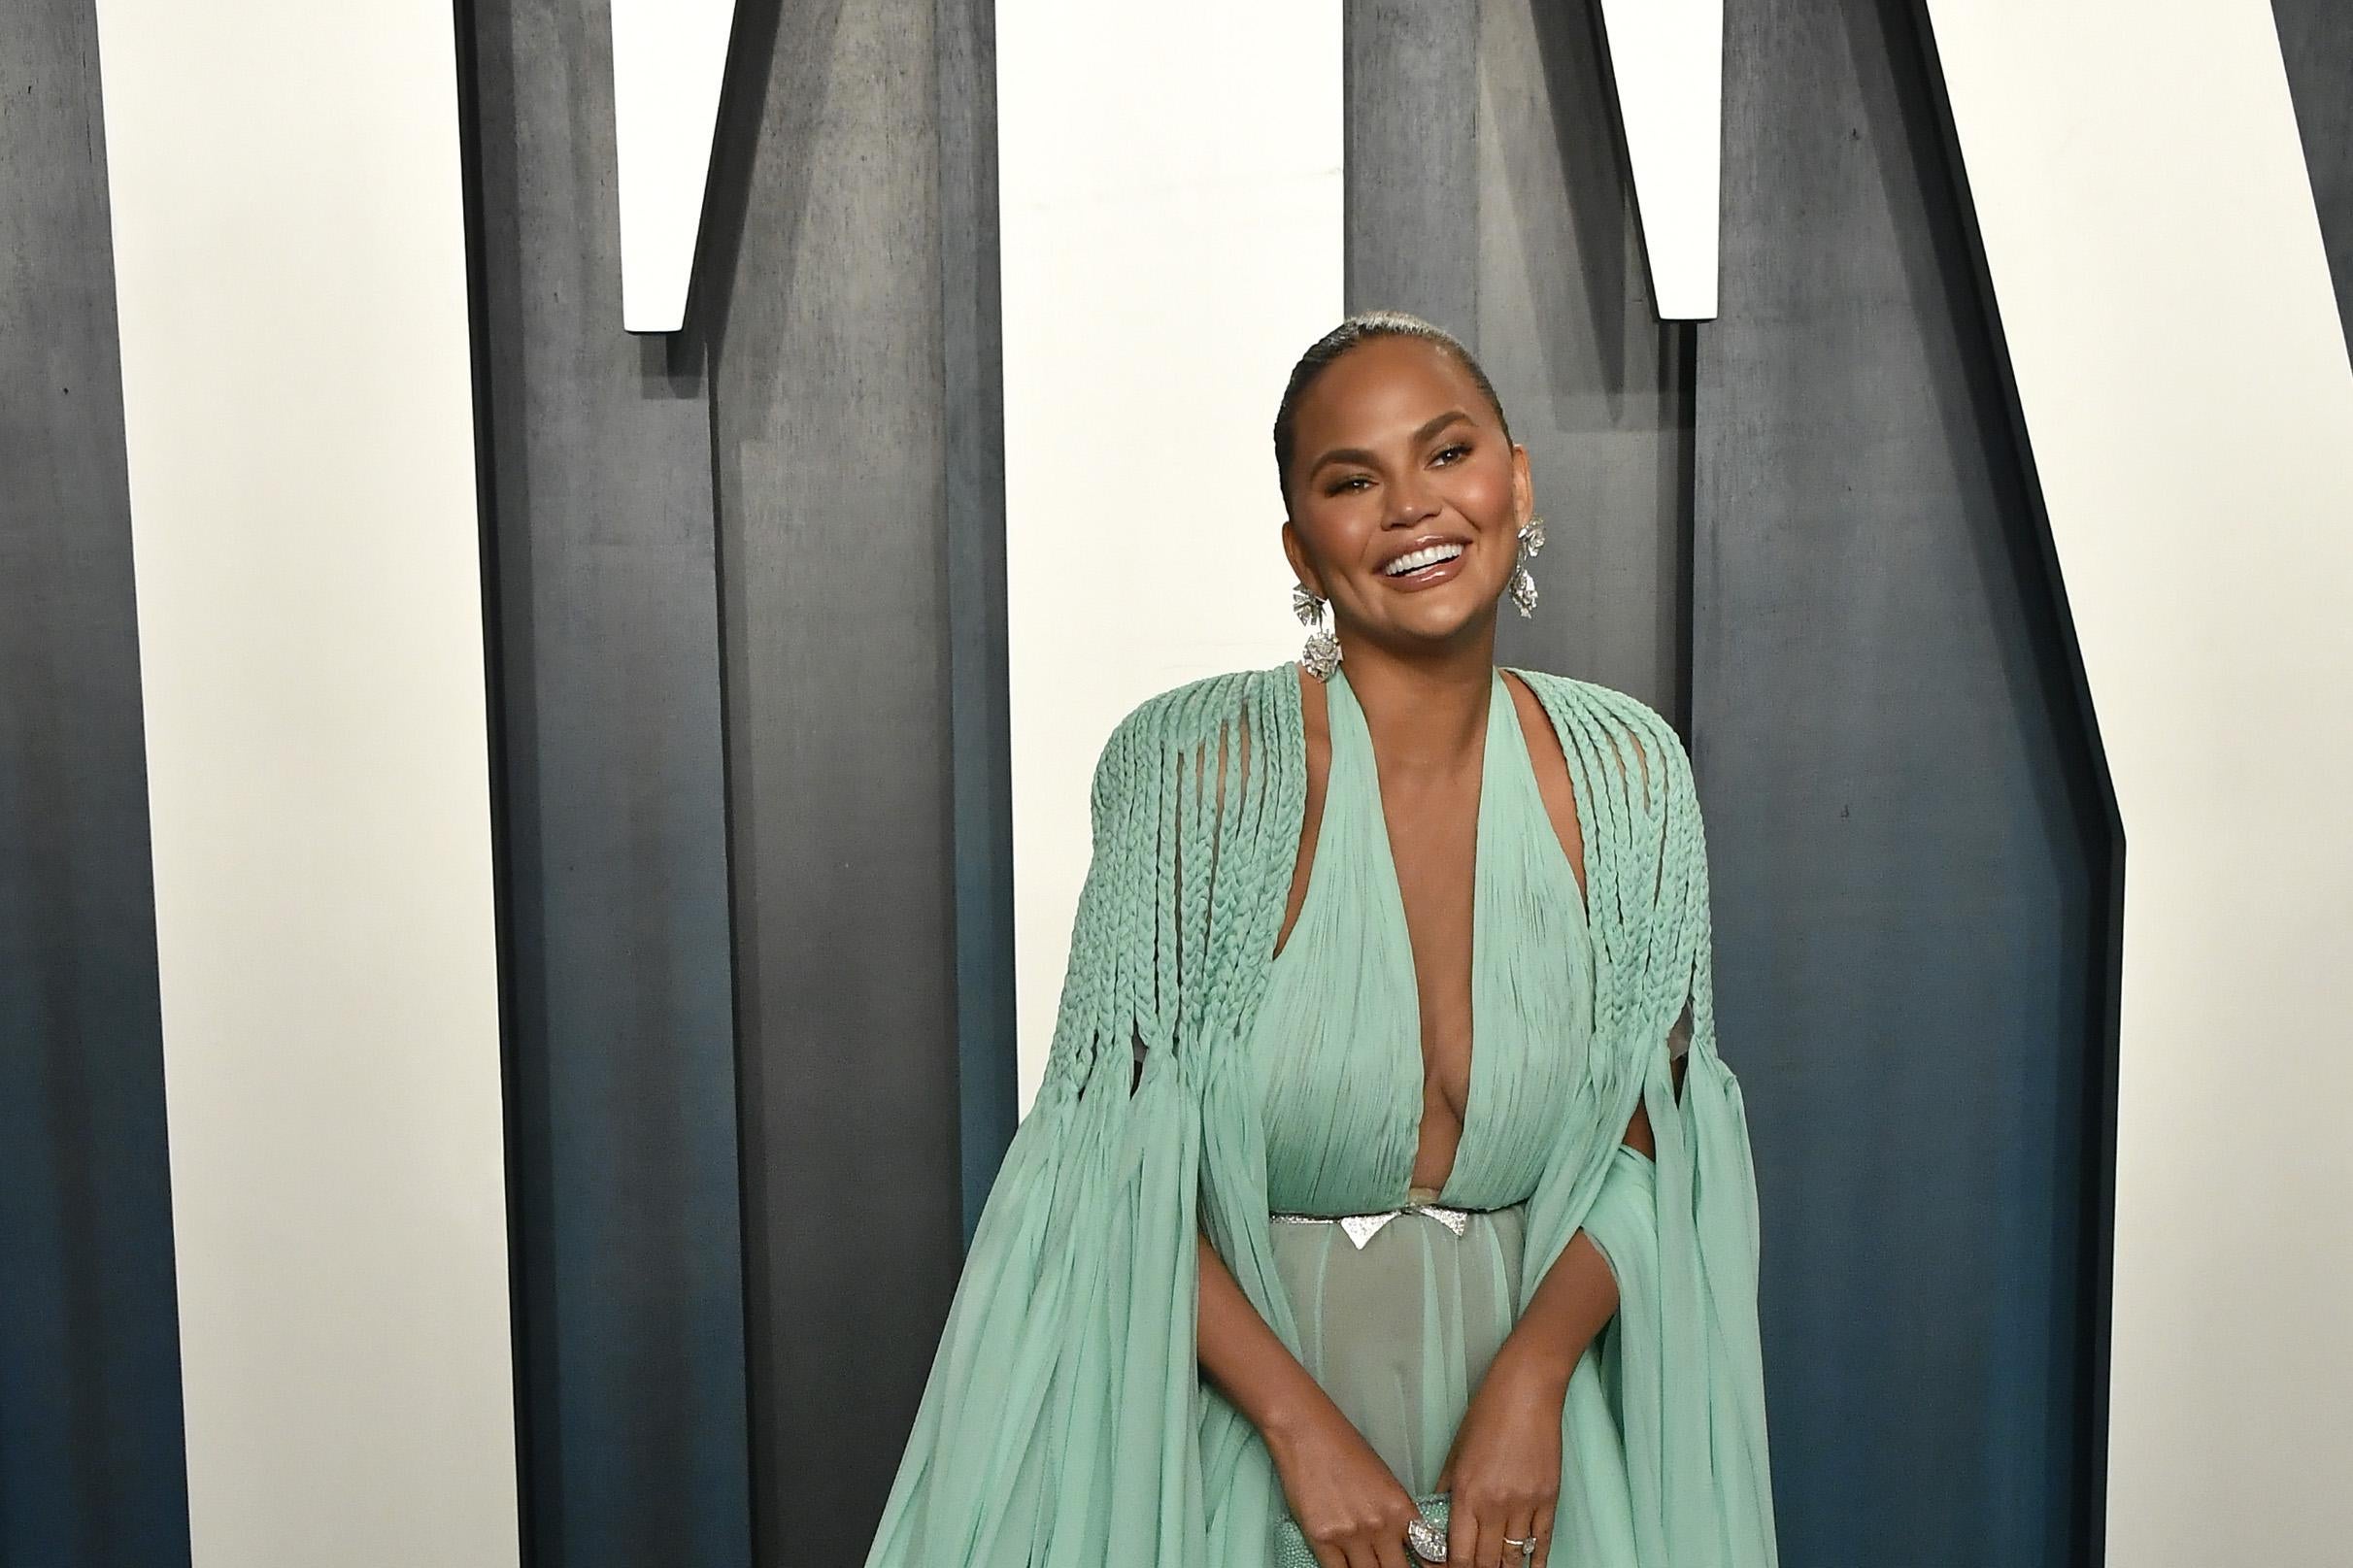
x=1398, y=460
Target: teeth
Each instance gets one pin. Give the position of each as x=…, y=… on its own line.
x=1414, y=559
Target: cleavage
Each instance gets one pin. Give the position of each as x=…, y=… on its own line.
x=1441, y=846
x=1440, y=903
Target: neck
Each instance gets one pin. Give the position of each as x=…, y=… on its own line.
x=1427, y=712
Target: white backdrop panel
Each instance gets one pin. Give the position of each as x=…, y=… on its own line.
x=2158, y=262
x=1171, y=211
x=289, y=255
x=669, y=63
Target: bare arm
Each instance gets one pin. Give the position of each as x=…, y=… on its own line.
x=1347, y=1505
x=1242, y=1356
x=1240, y=1353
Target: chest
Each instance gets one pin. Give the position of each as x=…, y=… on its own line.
x=1424, y=1014
x=1427, y=1019
x=1413, y=846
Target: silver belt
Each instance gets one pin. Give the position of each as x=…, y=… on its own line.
x=1361, y=1228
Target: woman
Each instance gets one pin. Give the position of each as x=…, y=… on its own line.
x=1384, y=1150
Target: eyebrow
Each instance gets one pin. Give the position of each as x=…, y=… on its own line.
x=1358, y=454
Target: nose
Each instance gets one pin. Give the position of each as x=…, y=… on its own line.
x=1410, y=499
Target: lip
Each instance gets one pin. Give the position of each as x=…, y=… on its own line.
x=1428, y=576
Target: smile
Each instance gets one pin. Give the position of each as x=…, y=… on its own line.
x=1427, y=566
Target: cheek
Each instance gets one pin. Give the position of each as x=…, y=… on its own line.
x=1337, y=526
x=1482, y=492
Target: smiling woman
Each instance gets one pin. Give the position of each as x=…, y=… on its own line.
x=1416, y=508
x=1369, y=1186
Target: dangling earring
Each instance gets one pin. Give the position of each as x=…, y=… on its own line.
x=1322, y=655
x=1524, y=586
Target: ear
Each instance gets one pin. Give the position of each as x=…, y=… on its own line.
x=1523, y=489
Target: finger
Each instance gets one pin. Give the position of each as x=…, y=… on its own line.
x=1523, y=1525
x=1544, y=1526
x=1496, y=1537
x=1493, y=1552
x=1461, y=1538
x=1391, y=1553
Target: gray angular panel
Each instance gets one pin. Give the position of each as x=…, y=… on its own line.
x=1912, y=842
x=972, y=353
x=93, y=1468
x=1410, y=79
x=613, y=838
x=851, y=299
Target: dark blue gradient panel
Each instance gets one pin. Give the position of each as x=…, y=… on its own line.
x=92, y=1470
x=612, y=831
x=1911, y=837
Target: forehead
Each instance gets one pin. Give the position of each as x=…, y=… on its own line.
x=1384, y=383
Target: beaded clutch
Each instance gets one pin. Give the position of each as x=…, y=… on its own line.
x=1291, y=1550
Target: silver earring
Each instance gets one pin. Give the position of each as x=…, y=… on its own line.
x=1322, y=655
x=1522, y=585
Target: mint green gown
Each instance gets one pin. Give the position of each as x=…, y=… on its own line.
x=1199, y=1083
x=1400, y=1331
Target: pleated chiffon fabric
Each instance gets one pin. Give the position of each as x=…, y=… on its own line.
x=1338, y=1039
x=1066, y=1424
x=1399, y=1331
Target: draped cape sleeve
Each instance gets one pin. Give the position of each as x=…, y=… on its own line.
x=1062, y=1423
x=1663, y=1429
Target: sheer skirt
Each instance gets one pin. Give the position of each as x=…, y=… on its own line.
x=1400, y=1332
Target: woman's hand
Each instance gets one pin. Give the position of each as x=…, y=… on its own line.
x=1503, y=1471
x=1351, y=1510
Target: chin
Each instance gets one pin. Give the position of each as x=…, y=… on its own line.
x=1445, y=622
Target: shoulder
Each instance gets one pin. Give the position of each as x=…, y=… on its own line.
x=1569, y=692
x=1653, y=843
x=1194, y=713
x=1568, y=696
x=1198, y=709
x=1607, y=725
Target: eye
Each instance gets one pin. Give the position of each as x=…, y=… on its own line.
x=1459, y=446
x=1350, y=480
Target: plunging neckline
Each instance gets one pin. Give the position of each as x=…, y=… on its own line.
x=1483, y=813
